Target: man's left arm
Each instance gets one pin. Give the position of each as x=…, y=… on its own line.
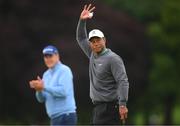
x=40, y=96
x=119, y=73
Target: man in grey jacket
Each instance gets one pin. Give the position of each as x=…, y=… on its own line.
x=109, y=84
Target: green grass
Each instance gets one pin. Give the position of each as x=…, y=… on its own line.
x=176, y=115
x=138, y=119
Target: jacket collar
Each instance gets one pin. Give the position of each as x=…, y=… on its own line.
x=53, y=69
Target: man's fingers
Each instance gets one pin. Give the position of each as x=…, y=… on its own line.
x=85, y=6
x=92, y=9
x=31, y=85
x=33, y=82
x=123, y=111
x=88, y=7
x=38, y=78
x=123, y=121
x=30, y=82
x=126, y=115
x=122, y=117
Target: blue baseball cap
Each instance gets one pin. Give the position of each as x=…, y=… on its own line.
x=50, y=50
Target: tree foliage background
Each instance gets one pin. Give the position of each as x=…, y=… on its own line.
x=145, y=33
x=161, y=18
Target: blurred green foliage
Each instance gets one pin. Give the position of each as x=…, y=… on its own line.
x=143, y=10
x=162, y=21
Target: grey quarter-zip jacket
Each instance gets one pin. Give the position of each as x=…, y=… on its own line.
x=108, y=78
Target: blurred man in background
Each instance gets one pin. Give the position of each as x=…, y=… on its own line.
x=109, y=84
x=56, y=89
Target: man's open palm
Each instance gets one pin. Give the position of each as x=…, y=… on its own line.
x=86, y=13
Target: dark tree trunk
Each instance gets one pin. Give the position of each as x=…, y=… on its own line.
x=169, y=104
x=147, y=111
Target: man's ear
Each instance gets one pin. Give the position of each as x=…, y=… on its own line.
x=58, y=56
x=104, y=40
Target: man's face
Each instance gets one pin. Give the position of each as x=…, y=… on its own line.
x=51, y=60
x=97, y=44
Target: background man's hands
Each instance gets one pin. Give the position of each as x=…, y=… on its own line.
x=123, y=112
x=38, y=84
x=87, y=12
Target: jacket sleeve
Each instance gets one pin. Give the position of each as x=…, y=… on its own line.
x=119, y=73
x=82, y=38
x=40, y=96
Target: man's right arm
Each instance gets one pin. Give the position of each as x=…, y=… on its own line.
x=40, y=96
x=82, y=39
x=81, y=33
